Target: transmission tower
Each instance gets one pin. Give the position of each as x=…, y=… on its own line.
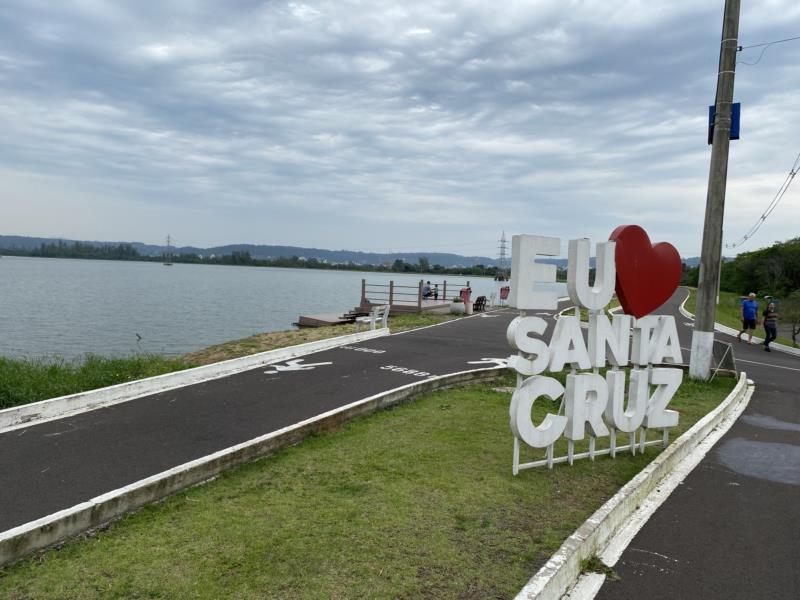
x=503, y=246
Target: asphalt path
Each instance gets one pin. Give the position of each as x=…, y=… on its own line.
x=732, y=529
x=55, y=465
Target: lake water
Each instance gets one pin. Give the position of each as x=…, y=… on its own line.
x=68, y=307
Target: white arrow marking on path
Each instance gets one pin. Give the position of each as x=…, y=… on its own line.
x=294, y=365
x=500, y=362
x=485, y=316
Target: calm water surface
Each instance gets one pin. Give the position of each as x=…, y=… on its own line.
x=68, y=307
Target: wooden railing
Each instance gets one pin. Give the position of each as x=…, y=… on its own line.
x=393, y=293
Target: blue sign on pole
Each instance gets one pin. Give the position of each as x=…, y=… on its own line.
x=736, y=112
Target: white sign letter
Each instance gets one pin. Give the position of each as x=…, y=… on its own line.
x=567, y=345
x=520, y=412
x=616, y=415
x=617, y=338
x=518, y=337
x=587, y=395
x=667, y=382
x=642, y=333
x=666, y=347
x=605, y=280
x=526, y=272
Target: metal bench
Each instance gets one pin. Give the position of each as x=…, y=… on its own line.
x=378, y=314
x=480, y=304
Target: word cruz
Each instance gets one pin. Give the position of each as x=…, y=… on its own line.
x=589, y=400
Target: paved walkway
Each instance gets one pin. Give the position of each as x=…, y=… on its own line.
x=732, y=529
x=59, y=464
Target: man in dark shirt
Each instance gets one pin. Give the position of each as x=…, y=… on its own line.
x=749, y=313
x=770, y=325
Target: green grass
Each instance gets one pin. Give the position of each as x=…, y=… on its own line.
x=729, y=312
x=24, y=381
x=585, y=313
x=404, y=322
x=414, y=502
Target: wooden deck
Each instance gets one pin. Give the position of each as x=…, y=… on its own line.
x=322, y=320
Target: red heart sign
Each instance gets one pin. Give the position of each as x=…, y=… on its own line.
x=647, y=274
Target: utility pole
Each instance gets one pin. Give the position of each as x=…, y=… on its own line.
x=710, y=257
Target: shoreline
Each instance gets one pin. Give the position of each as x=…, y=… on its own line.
x=27, y=380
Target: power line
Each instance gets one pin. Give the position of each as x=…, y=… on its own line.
x=770, y=207
x=765, y=45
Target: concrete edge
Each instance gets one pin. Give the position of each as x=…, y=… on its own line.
x=734, y=332
x=563, y=569
x=50, y=530
x=56, y=408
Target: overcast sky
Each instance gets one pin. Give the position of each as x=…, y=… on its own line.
x=380, y=126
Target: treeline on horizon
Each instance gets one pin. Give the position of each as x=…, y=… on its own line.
x=773, y=271
x=241, y=258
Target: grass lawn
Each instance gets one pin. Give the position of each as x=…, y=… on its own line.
x=29, y=380
x=414, y=502
x=24, y=381
x=728, y=312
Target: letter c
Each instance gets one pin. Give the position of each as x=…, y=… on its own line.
x=522, y=401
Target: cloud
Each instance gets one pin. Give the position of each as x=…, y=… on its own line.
x=379, y=125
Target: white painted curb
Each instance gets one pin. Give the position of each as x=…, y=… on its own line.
x=561, y=572
x=56, y=408
x=734, y=332
x=52, y=529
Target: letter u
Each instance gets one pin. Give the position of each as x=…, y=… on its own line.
x=599, y=295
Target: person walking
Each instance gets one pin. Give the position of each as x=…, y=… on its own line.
x=770, y=325
x=749, y=315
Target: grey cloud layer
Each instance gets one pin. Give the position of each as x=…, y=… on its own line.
x=378, y=125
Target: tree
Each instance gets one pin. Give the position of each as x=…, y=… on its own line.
x=790, y=313
x=424, y=264
x=689, y=275
x=774, y=270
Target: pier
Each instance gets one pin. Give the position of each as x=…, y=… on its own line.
x=400, y=298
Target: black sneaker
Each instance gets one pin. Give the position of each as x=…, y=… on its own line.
x=767, y=349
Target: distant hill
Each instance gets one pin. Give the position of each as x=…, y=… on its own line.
x=260, y=251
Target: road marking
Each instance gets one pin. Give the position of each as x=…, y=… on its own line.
x=499, y=362
x=295, y=365
x=362, y=349
x=752, y=362
x=487, y=316
x=405, y=371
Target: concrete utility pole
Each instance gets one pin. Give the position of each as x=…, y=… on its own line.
x=710, y=258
